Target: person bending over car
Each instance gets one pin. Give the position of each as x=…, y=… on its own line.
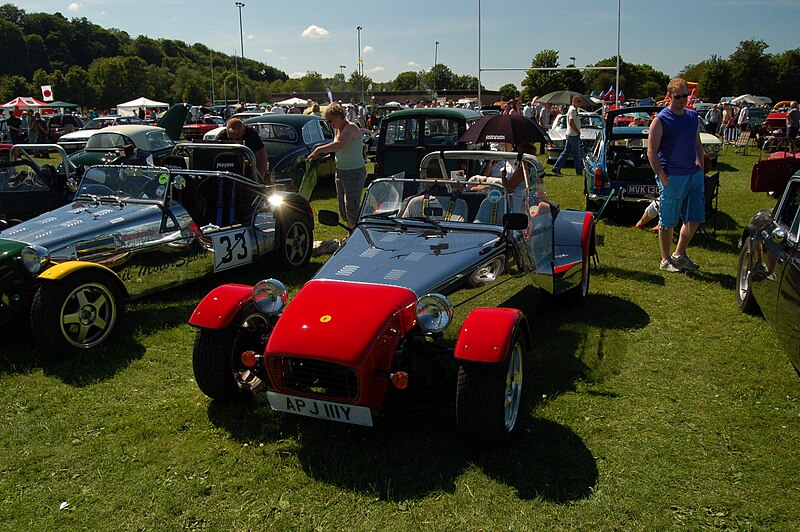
x=237, y=131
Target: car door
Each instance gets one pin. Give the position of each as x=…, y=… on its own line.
x=774, y=253
x=787, y=269
x=400, y=148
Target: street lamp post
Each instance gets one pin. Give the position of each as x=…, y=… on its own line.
x=341, y=71
x=360, y=64
x=435, y=60
x=240, y=5
x=573, y=61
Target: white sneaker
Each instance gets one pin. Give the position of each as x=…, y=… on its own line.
x=684, y=262
x=668, y=266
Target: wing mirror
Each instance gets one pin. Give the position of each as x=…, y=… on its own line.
x=328, y=218
x=179, y=182
x=515, y=221
x=778, y=236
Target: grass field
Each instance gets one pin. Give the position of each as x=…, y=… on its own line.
x=656, y=405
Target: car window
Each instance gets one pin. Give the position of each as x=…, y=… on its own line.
x=441, y=131
x=107, y=141
x=277, y=132
x=402, y=132
x=789, y=214
x=158, y=140
x=327, y=130
x=311, y=133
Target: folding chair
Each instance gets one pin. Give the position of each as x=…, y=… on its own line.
x=742, y=142
x=711, y=193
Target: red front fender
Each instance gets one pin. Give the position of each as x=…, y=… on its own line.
x=487, y=333
x=220, y=306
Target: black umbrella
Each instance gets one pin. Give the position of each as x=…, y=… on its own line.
x=512, y=129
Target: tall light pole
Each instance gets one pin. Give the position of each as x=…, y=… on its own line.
x=240, y=5
x=360, y=64
x=341, y=71
x=435, y=60
x=573, y=61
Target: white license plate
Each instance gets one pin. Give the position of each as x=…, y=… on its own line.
x=642, y=189
x=304, y=406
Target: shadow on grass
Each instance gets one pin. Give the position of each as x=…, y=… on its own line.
x=410, y=455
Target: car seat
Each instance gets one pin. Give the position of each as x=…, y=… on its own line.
x=491, y=210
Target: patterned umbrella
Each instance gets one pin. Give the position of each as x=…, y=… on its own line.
x=513, y=129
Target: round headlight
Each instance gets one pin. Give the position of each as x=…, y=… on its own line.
x=34, y=258
x=434, y=312
x=269, y=296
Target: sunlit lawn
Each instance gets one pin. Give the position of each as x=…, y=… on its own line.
x=656, y=405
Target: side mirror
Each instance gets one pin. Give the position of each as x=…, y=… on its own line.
x=328, y=218
x=515, y=221
x=778, y=236
x=179, y=182
x=72, y=185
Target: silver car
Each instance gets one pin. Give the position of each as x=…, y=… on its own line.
x=591, y=125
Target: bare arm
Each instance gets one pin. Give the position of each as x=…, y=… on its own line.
x=343, y=138
x=653, y=143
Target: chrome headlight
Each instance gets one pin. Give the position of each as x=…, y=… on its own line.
x=434, y=312
x=34, y=258
x=269, y=296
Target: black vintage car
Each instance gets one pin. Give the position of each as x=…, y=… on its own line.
x=768, y=276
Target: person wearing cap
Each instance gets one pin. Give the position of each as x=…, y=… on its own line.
x=237, y=131
x=309, y=107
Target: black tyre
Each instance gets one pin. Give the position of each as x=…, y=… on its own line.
x=294, y=240
x=490, y=399
x=744, y=277
x=76, y=313
x=298, y=174
x=217, y=360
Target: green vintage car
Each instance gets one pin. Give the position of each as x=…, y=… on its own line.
x=407, y=136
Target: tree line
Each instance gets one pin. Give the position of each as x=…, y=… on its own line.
x=749, y=69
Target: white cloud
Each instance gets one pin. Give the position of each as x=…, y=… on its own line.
x=412, y=64
x=376, y=69
x=367, y=49
x=297, y=75
x=74, y=6
x=251, y=36
x=314, y=32
x=283, y=58
x=267, y=50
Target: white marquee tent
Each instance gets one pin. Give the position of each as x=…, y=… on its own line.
x=133, y=106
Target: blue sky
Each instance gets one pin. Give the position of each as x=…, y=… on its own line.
x=398, y=36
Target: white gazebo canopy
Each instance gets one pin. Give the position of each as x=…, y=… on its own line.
x=133, y=106
x=299, y=102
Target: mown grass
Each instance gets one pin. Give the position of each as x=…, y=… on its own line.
x=656, y=405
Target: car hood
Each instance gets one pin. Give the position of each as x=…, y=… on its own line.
x=80, y=135
x=421, y=258
x=83, y=223
x=338, y=321
x=561, y=134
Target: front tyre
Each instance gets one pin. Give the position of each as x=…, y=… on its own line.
x=76, y=313
x=294, y=240
x=217, y=360
x=489, y=397
x=744, y=277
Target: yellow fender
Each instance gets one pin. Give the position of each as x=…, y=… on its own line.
x=63, y=269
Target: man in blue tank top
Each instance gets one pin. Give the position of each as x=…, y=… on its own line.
x=676, y=155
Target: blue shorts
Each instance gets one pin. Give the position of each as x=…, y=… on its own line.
x=682, y=199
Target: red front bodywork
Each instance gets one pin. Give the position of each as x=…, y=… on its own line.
x=351, y=325
x=486, y=334
x=197, y=131
x=220, y=306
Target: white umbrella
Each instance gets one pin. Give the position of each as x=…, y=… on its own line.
x=299, y=102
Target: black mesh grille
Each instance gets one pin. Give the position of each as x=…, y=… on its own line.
x=308, y=376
